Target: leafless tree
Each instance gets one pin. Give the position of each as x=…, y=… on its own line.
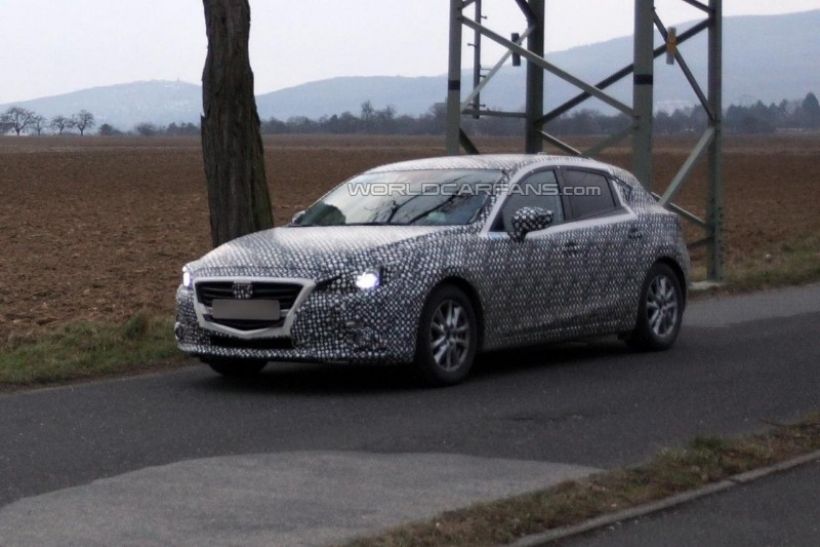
x=147, y=129
x=83, y=120
x=238, y=194
x=367, y=112
x=17, y=119
x=61, y=123
x=38, y=124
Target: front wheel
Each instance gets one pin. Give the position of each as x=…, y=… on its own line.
x=447, y=339
x=660, y=311
x=235, y=368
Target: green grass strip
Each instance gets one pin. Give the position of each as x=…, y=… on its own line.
x=86, y=350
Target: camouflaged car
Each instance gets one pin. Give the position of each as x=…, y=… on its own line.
x=431, y=261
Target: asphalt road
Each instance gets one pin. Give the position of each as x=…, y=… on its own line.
x=777, y=510
x=740, y=362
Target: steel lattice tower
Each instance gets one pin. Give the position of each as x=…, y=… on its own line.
x=529, y=45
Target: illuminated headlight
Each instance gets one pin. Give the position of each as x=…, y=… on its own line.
x=187, y=282
x=368, y=280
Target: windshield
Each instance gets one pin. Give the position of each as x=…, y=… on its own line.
x=426, y=197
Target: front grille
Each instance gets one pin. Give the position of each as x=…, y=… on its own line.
x=285, y=293
x=258, y=343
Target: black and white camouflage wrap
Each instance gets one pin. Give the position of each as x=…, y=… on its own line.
x=570, y=280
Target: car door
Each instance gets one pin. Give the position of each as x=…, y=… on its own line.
x=598, y=250
x=523, y=305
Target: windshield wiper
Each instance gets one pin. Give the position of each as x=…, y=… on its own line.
x=370, y=224
x=344, y=224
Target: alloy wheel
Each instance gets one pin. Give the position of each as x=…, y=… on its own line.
x=450, y=335
x=662, y=306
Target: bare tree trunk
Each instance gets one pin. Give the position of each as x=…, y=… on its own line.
x=231, y=143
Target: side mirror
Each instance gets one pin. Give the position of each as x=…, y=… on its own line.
x=297, y=217
x=529, y=219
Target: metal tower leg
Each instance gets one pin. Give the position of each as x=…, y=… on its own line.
x=643, y=91
x=715, y=212
x=454, y=80
x=477, y=60
x=534, y=142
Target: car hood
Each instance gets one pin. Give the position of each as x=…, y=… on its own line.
x=311, y=250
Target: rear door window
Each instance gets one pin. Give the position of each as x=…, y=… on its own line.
x=588, y=193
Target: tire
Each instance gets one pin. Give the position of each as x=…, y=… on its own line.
x=447, y=340
x=661, y=291
x=236, y=368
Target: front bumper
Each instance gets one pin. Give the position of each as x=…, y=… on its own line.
x=377, y=326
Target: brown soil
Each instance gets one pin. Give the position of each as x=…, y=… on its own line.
x=98, y=228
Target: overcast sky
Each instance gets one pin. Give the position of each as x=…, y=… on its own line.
x=49, y=47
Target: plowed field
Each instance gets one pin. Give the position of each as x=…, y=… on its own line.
x=98, y=228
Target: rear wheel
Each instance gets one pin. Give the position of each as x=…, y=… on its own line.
x=236, y=368
x=660, y=311
x=447, y=339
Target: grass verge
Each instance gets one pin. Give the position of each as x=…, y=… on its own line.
x=796, y=262
x=84, y=350
x=703, y=461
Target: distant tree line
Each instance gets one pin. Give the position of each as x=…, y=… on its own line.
x=758, y=118
x=20, y=120
x=147, y=129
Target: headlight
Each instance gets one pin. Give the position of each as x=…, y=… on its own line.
x=368, y=280
x=187, y=282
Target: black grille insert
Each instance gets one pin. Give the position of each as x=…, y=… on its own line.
x=247, y=324
x=258, y=343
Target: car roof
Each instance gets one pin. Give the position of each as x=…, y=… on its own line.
x=506, y=162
